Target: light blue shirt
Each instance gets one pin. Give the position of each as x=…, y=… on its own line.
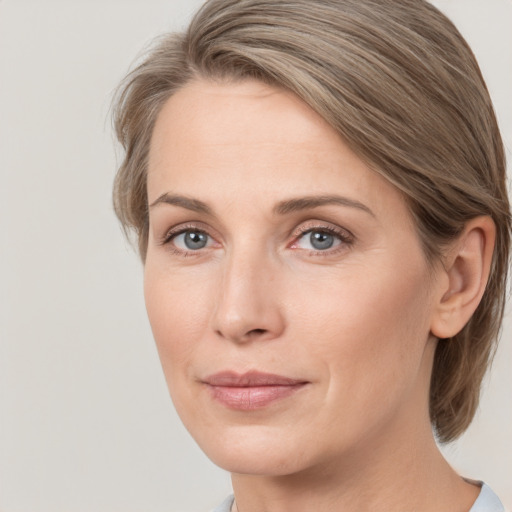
x=487, y=501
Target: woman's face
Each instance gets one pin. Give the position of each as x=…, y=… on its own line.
x=285, y=284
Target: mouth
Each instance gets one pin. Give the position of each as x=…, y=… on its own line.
x=251, y=390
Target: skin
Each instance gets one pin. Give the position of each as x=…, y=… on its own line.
x=356, y=321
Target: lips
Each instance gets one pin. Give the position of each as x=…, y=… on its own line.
x=251, y=390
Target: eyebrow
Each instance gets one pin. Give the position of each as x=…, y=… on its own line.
x=308, y=202
x=184, y=202
x=282, y=208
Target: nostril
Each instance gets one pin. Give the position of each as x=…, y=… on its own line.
x=257, y=332
x=253, y=333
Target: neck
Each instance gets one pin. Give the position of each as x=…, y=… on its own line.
x=396, y=467
x=409, y=475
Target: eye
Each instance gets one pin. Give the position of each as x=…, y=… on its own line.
x=190, y=240
x=322, y=239
x=318, y=240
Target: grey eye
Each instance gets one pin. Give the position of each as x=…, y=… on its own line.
x=321, y=240
x=191, y=240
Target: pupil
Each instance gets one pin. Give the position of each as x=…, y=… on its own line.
x=194, y=240
x=321, y=240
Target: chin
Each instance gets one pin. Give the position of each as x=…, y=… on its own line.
x=254, y=450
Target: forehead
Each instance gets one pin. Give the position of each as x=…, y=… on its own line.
x=256, y=140
x=215, y=113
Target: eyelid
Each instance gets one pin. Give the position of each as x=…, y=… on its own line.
x=183, y=227
x=345, y=237
x=309, y=226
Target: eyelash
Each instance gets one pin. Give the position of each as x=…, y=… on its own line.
x=346, y=238
x=175, y=232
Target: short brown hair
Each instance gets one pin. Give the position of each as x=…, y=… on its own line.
x=401, y=86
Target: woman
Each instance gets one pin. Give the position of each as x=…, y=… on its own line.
x=318, y=191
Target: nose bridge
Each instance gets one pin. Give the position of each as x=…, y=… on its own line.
x=248, y=299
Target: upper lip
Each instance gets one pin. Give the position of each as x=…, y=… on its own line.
x=252, y=378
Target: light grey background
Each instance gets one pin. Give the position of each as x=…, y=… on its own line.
x=85, y=420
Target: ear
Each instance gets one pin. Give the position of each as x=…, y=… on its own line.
x=464, y=277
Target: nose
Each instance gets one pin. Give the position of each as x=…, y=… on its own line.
x=249, y=306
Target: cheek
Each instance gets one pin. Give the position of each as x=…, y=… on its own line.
x=369, y=326
x=178, y=315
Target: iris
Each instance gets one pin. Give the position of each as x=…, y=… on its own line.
x=195, y=240
x=321, y=240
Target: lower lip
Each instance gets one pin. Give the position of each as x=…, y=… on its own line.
x=252, y=397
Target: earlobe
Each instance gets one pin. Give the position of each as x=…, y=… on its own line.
x=465, y=275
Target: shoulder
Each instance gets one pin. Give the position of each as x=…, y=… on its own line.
x=487, y=501
x=226, y=505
